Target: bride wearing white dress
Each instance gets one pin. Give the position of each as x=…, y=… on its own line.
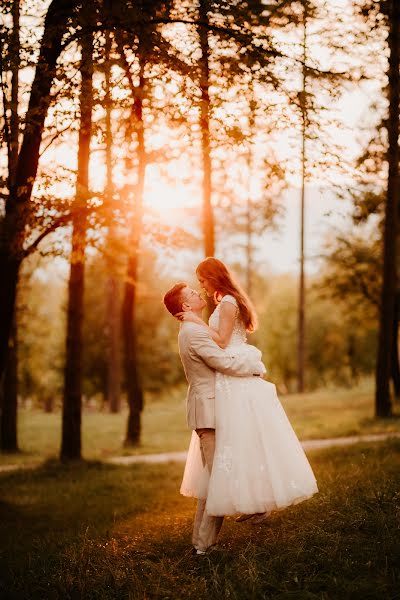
x=259, y=464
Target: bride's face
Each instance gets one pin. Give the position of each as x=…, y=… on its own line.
x=206, y=285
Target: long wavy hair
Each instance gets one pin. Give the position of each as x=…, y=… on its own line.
x=224, y=282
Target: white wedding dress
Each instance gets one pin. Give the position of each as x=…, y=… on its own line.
x=259, y=464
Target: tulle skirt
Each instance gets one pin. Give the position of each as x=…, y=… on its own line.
x=259, y=464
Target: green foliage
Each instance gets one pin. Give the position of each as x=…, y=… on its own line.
x=159, y=362
x=341, y=330
x=352, y=273
x=326, y=413
x=339, y=347
x=95, y=531
x=41, y=330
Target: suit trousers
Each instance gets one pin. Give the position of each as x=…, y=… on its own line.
x=206, y=527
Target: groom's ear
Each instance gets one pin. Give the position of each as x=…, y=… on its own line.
x=186, y=306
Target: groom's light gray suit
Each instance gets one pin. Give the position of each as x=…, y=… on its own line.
x=201, y=357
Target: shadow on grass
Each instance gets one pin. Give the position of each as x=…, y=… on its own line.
x=90, y=530
x=55, y=509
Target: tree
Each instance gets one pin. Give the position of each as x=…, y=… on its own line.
x=72, y=404
x=378, y=180
x=9, y=388
x=129, y=304
x=18, y=205
x=387, y=307
x=208, y=220
x=113, y=285
x=304, y=118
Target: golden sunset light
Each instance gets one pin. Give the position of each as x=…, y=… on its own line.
x=199, y=299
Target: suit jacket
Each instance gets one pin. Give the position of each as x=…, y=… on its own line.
x=201, y=357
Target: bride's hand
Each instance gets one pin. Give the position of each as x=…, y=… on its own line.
x=188, y=315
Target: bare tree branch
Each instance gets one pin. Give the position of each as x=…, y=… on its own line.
x=54, y=137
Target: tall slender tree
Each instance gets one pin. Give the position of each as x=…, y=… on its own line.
x=383, y=407
x=301, y=332
x=72, y=402
x=208, y=217
x=113, y=324
x=9, y=390
x=129, y=303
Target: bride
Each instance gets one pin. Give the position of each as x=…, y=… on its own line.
x=259, y=465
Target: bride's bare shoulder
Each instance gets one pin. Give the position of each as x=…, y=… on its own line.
x=230, y=299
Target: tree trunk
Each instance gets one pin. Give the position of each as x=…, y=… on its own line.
x=301, y=350
x=9, y=397
x=249, y=203
x=112, y=290
x=14, y=117
x=395, y=367
x=9, y=391
x=72, y=402
x=12, y=233
x=383, y=407
x=114, y=356
x=133, y=387
x=208, y=217
x=131, y=371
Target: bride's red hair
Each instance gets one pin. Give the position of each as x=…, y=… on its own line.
x=224, y=282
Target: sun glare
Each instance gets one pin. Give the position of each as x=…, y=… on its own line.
x=168, y=200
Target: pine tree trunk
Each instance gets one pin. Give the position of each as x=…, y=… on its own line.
x=114, y=356
x=131, y=370
x=208, y=217
x=12, y=226
x=249, y=203
x=132, y=381
x=383, y=406
x=301, y=315
x=9, y=390
x=72, y=402
x=113, y=322
x=9, y=396
x=395, y=367
x=14, y=116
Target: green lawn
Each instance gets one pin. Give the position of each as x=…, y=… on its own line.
x=96, y=531
x=322, y=414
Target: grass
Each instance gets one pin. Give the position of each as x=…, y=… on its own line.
x=322, y=414
x=95, y=531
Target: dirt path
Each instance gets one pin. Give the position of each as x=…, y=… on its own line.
x=307, y=445
x=166, y=457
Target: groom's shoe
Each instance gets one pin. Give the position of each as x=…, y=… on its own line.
x=256, y=518
x=196, y=552
x=242, y=518
x=260, y=518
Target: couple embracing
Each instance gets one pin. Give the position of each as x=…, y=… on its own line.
x=244, y=456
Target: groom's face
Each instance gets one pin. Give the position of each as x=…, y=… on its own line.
x=191, y=300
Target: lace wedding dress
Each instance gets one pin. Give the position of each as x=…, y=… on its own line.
x=259, y=464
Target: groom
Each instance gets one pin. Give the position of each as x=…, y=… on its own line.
x=201, y=357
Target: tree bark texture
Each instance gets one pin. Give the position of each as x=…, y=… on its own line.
x=131, y=370
x=208, y=217
x=72, y=401
x=9, y=390
x=383, y=406
x=113, y=322
x=132, y=381
x=395, y=366
x=12, y=227
x=9, y=398
x=114, y=338
x=301, y=315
